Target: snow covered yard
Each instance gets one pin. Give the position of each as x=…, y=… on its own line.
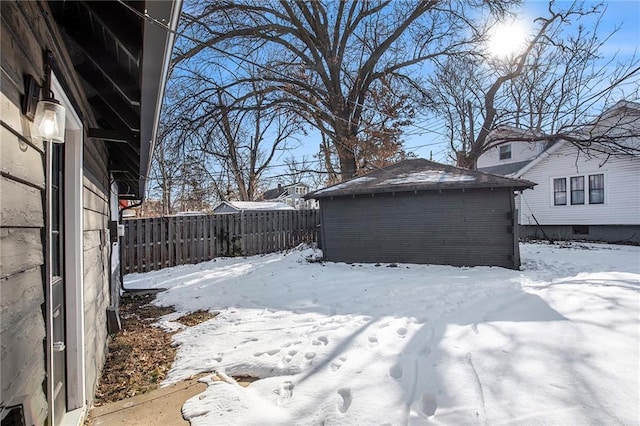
x=555, y=343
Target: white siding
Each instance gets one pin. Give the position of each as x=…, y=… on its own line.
x=520, y=151
x=622, y=190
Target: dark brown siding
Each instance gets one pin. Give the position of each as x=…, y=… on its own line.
x=457, y=228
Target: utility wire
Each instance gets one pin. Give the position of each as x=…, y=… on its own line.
x=228, y=54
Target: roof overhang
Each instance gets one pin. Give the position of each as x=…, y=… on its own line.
x=158, y=45
x=121, y=51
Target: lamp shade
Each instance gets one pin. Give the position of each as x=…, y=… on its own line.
x=49, y=121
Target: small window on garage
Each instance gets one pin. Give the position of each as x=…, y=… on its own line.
x=505, y=151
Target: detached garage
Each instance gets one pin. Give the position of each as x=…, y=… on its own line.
x=418, y=211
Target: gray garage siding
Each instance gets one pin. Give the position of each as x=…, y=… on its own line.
x=457, y=228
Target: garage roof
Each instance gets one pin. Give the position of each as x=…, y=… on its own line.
x=418, y=175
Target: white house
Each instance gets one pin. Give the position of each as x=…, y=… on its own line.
x=588, y=195
x=292, y=195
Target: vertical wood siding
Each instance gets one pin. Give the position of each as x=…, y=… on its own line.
x=453, y=228
x=156, y=243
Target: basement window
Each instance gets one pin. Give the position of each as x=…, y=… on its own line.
x=580, y=230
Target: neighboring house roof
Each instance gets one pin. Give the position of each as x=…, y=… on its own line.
x=505, y=169
x=418, y=175
x=274, y=193
x=255, y=205
x=622, y=108
x=510, y=132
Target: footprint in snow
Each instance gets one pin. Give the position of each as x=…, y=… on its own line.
x=401, y=332
x=310, y=355
x=287, y=358
x=284, y=392
x=373, y=341
x=396, y=371
x=335, y=365
x=427, y=404
x=270, y=352
x=345, y=394
x=320, y=340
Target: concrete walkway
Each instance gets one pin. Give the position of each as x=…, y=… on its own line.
x=159, y=407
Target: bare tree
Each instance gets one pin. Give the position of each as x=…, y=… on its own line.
x=167, y=166
x=237, y=131
x=549, y=90
x=346, y=68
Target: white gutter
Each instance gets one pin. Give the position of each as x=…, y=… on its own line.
x=157, y=50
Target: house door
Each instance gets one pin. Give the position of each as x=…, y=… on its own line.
x=58, y=341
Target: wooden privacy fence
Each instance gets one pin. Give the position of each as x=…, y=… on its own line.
x=155, y=243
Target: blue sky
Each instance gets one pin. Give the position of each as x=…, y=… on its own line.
x=625, y=14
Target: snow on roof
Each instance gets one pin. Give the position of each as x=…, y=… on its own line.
x=418, y=175
x=427, y=176
x=347, y=184
x=258, y=205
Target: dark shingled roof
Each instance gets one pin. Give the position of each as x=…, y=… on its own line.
x=505, y=169
x=274, y=193
x=418, y=175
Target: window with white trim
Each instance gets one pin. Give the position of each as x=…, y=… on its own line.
x=577, y=194
x=560, y=192
x=505, y=151
x=577, y=190
x=596, y=189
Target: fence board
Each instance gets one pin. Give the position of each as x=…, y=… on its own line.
x=155, y=243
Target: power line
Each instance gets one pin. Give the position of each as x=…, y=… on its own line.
x=149, y=18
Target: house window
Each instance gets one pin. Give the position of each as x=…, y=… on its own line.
x=560, y=192
x=505, y=152
x=596, y=189
x=577, y=190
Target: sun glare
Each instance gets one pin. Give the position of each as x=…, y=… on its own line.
x=506, y=39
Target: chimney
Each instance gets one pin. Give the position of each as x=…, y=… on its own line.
x=279, y=187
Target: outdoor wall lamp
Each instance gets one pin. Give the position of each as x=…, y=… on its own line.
x=47, y=114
